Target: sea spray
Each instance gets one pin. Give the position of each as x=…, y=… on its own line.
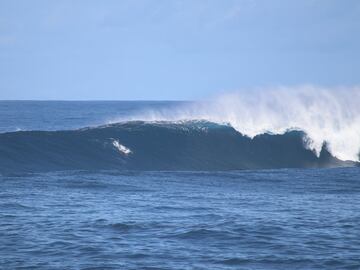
x=326, y=115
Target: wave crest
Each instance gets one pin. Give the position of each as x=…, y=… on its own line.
x=154, y=146
x=330, y=116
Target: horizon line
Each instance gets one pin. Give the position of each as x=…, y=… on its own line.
x=97, y=100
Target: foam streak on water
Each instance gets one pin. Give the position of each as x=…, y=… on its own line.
x=121, y=148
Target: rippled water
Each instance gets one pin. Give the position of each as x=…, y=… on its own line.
x=278, y=219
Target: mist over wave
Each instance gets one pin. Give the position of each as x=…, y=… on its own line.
x=330, y=115
x=303, y=127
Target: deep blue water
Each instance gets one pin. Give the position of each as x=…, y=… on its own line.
x=60, y=115
x=126, y=219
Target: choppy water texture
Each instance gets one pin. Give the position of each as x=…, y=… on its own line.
x=79, y=198
x=277, y=219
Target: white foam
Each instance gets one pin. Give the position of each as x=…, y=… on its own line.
x=122, y=148
x=326, y=115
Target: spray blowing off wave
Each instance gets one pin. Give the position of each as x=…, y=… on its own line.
x=281, y=128
x=324, y=115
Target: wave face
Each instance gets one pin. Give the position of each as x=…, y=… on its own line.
x=325, y=115
x=139, y=145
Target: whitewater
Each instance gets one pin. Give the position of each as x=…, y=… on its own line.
x=299, y=127
x=326, y=115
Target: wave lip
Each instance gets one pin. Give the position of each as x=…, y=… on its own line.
x=159, y=145
x=324, y=114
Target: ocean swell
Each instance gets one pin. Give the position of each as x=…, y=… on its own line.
x=161, y=145
x=326, y=115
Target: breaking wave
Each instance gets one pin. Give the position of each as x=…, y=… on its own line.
x=161, y=145
x=330, y=116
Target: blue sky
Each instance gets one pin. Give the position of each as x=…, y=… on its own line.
x=173, y=49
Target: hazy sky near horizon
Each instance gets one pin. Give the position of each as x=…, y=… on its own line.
x=173, y=49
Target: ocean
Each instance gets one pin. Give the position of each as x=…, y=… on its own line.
x=110, y=185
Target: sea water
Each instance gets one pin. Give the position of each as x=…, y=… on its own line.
x=114, y=218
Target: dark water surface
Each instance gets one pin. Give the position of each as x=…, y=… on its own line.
x=43, y=136
x=113, y=219
x=275, y=219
